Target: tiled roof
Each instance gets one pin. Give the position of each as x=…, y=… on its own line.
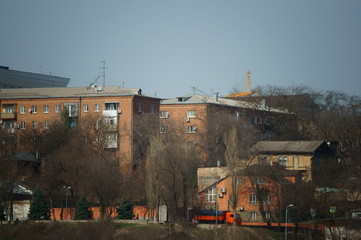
x=201, y=99
x=68, y=92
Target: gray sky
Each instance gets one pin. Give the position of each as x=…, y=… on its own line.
x=166, y=47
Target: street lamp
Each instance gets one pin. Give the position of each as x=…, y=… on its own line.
x=291, y=205
x=66, y=200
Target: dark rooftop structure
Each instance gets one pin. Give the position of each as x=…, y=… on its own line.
x=18, y=79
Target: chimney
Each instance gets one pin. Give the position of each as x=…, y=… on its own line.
x=215, y=96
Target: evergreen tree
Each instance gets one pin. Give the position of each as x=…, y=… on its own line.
x=125, y=210
x=39, y=209
x=82, y=211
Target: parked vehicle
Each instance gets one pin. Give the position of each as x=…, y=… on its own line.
x=212, y=216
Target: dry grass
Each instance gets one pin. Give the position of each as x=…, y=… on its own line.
x=107, y=230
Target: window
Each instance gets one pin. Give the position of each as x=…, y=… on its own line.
x=283, y=161
x=97, y=108
x=22, y=125
x=295, y=162
x=46, y=125
x=9, y=109
x=97, y=124
x=191, y=114
x=268, y=215
x=267, y=200
x=163, y=129
x=110, y=121
x=260, y=180
x=111, y=106
x=46, y=108
x=34, y=109
x=239, y=181
x=192, y=144
x=22, y=110
x=140, y=108
x=86, y=108
x=211, y=195
x=262, y=160
x=163, y=114
x=71, y=109
x=191, y=129
x=111, y=140
x=253, y=199
x=253, y=216
x=34, y=124
x=57, y=108
x=152, y=109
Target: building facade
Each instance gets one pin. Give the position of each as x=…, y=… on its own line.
x=37, y=108
x=200, y=118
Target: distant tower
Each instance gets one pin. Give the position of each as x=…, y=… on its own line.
x=103, y=73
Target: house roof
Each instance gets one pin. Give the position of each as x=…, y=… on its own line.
x=94, y=91
x=286, y=146
x=202, y=99
x=210, y=175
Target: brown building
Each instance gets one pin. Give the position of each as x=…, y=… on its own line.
x=311, y=157
x=198, y=117
x=36, y=108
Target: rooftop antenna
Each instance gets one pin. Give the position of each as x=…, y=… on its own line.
x=103, y=73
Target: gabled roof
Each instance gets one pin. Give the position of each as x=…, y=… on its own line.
x=94, y=91
x=202, y=99
x=286, y=146
x=210, y=175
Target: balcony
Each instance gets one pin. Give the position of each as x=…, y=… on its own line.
x=110, y=113
x=8, y=115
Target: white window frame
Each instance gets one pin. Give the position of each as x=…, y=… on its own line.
x=254, y=215
x=239, y=181
x=110, y=121
x=57, y=108
x=97, y=107
x=22, y=109
x=191, y=129
x=211, y=194
x=46, y=108
x=9, y=109
x=261, y=180
x=34, y=124
x=22, y=125
x=283, y=161
x=163, y=129
x=34, y=109
x=191, y=114
x=163, y=114
x=268, y=215
x=46, y=125
x=253, y=199
x=86, y=108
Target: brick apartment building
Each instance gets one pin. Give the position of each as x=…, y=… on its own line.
x=36, y=108
x=259, y=197
x=195, y=114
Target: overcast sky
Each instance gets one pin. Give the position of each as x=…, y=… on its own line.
x=166, y=47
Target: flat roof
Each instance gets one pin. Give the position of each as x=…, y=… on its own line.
x=95, y=91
